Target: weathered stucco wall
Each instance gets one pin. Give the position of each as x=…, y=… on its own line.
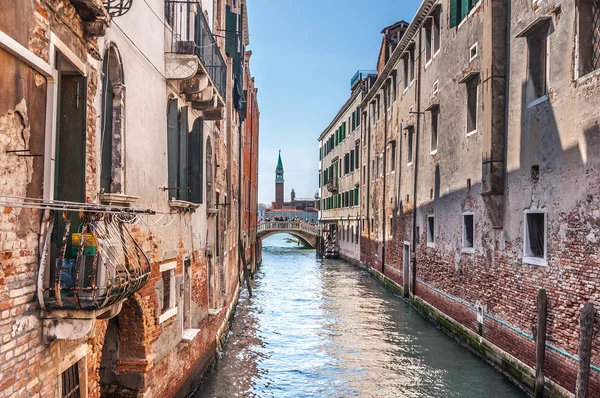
x=557, y=136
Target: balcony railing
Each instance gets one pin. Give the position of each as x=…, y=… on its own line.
x=89, y=259
x=332, y=185
x=191, y=34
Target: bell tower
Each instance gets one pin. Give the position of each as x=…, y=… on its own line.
x=279, y=183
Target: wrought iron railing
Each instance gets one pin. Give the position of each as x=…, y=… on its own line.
x=191, y=34
x=89, y=259
x=117, y=8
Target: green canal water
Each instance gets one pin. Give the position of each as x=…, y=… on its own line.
x=324, y=328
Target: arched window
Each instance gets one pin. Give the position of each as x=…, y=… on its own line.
x=113, y=123
x=209, y=175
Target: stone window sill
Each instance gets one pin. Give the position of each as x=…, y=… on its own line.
x=170, y=313
x=214, y=311
x=183, y=205
x=535, y=261
x=189, y=334
x=117, y=199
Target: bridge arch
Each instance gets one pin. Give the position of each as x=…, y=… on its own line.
x=299, y=229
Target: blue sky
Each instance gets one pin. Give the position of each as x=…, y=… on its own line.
x=304, y=55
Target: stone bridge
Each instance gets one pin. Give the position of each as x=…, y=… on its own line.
x=300, y=229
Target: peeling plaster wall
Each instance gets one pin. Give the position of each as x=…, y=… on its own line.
x=559, y=135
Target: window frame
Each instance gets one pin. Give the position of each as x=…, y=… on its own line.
x=472, y=83
x=169, y=266
x=430, y=231
x=585, y=68
x=541, y=33
x=434, y=113
x=464, y=247
x=410, y=131
x=533, y=260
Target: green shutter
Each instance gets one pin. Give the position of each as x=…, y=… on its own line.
x=183, y=154
x=358, y=116
x=356, y=196
x=231, y=36
x=196, y=159
x=454, y=6
x=172, y=147
x=464, y=9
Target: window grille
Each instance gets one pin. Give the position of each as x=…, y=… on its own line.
x=70, y=382
x=166, y=276
x=596, y=34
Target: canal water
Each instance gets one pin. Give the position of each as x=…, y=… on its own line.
x=324, y=328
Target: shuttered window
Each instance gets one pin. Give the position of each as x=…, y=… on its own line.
x=459, y=9
x=173, y=148
x=196, y=159
x=231, y=44
x=183, y=155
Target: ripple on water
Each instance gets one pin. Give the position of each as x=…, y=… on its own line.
x=323, y=328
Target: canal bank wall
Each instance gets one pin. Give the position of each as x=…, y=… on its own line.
x=456, y=318
x=210, y=346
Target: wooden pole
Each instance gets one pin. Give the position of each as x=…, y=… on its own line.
x=242, y=251
x=585, y=349
x=540, y=353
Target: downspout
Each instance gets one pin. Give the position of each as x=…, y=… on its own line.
x=383, y=198
x=416, y=171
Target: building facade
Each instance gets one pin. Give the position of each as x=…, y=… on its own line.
x=121, y=194
x=478, y=190
x=339, y=172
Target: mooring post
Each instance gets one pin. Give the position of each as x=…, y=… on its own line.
x=540, y=340
x=586, y=328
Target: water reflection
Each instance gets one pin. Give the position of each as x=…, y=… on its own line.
x=324, y=328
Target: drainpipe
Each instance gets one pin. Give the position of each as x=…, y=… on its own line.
x=385, y=128
x=416, y=172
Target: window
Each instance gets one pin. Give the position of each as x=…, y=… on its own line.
x=434, y=129
x=436, y=26
x=393, y=156
x=393, y=86
x=534, y=250
x=428, y=39
x=373, y=172
x=473, y=52
x=430, y=231
x=537, y=76
x=589, y=36
x=412, y=63
x=168, y=308
x=467, y=238
x=177, y=147
x=380, y=166
x=355, y=196
x=409, y=145
x=472, y=105
x=459, y=9
x=70, y=386
x=372, y=114
x=406, y=72
x=356, y=160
